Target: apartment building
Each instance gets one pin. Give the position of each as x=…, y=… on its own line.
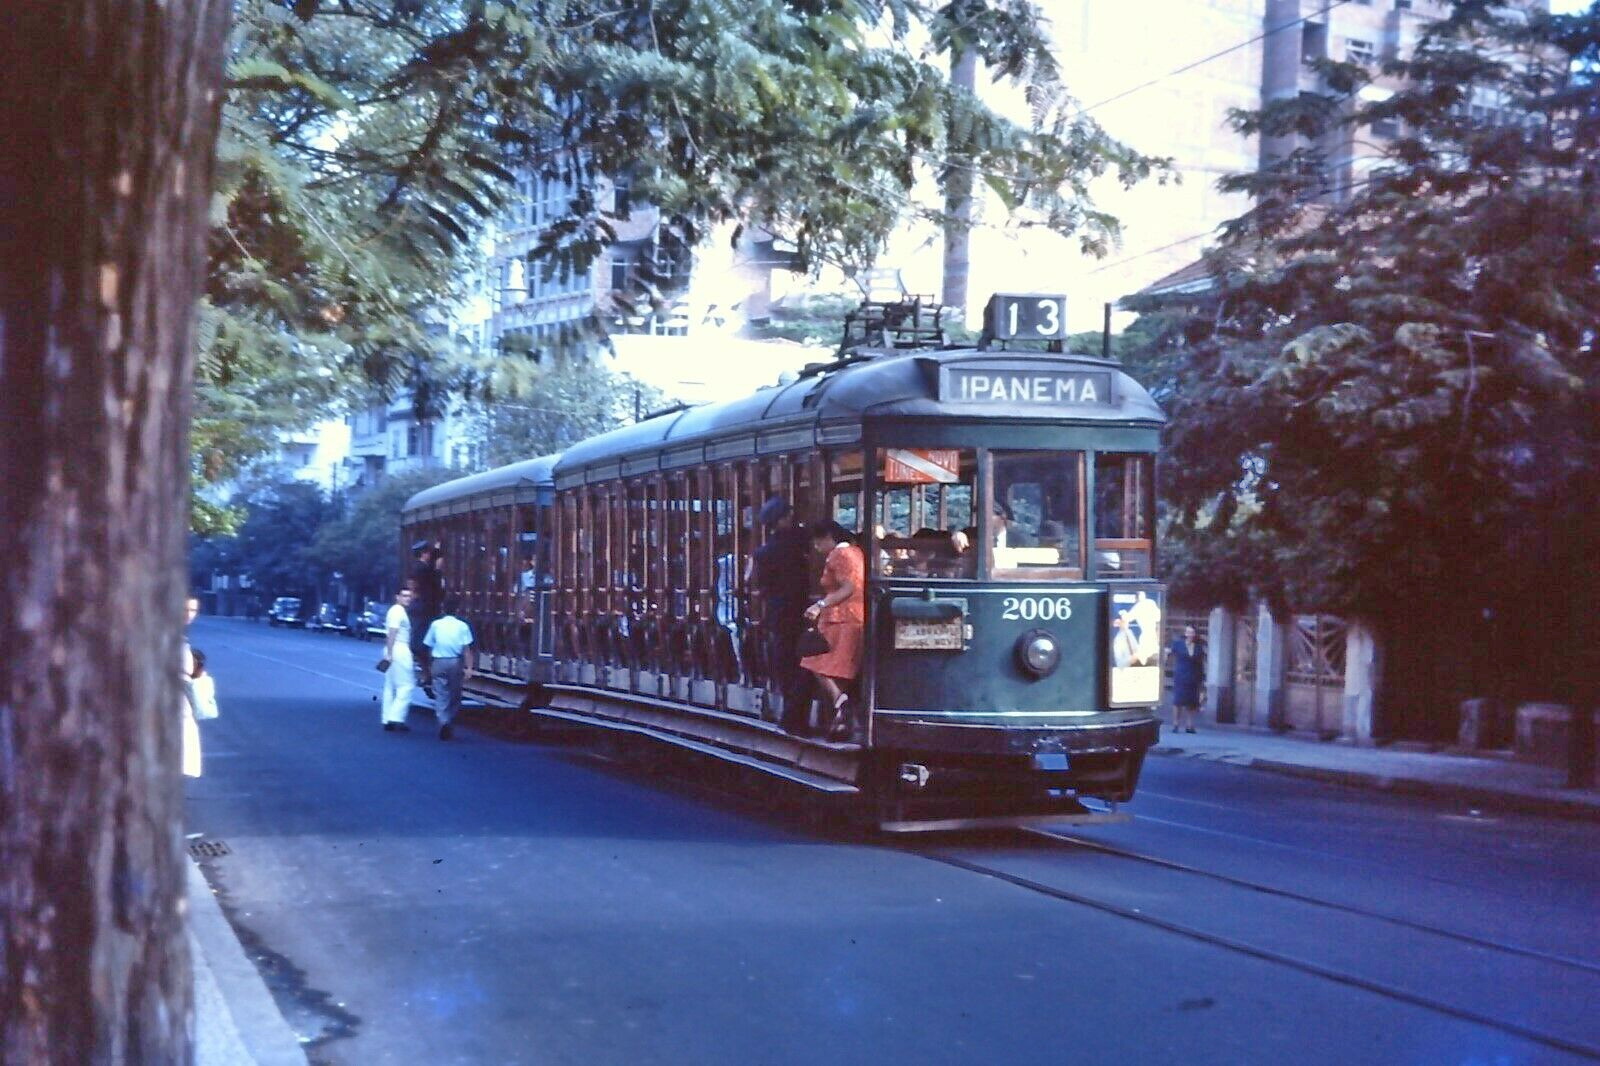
x=1356, y=31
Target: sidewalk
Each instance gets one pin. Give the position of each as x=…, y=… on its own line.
x=236, y=1022
x=1493, y=783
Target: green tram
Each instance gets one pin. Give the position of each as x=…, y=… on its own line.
x=1003, y=497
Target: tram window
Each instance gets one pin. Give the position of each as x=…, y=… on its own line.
x=1124, y=509
x=621, y=575
x=700, y=537
x=598, y=534
x=725, y=528
x=844, y=489
x=1037, y=521
x=847, y=509
x=923, y=512
x=638, y=537
x=678, y=547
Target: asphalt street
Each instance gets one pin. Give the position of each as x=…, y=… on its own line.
x=487, y=900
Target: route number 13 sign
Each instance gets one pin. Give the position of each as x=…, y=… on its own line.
x=1025, y=317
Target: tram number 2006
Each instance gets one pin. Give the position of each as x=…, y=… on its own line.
x=1036, y=608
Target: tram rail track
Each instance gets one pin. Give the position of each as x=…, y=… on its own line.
x=1552, y=958
x=1584, y=1048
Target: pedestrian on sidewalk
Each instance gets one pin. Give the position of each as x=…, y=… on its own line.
x=398, y=666
x=1188, y=677
x=449, y=643
x=190, y=727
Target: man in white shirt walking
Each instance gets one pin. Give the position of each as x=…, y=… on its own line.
x=449, y=642
x=400, y=678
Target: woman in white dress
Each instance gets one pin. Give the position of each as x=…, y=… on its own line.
x=400, y=678
x=191, y=729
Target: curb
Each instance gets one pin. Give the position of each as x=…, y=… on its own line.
x=236, y=1020
x=1490, y=798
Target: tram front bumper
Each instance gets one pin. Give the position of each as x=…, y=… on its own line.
x=973, y=758
x=978, y=735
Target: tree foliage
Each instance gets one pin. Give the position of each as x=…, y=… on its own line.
x=573, y=399
x=367, y=141
x=273, y=541
x=1386, y=403
x=362, y=542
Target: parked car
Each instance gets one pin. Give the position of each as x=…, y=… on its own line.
x=286, y=611
x=330, y=617
x=367, y=623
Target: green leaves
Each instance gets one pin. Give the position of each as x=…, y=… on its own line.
x=259, y=73
x=1390, y=392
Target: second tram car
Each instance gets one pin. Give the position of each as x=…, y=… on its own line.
x=1004, y=500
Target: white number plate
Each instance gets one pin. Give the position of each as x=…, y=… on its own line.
x=1036, y=608
x=928, y=636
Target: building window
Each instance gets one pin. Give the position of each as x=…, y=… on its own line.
x=1313, y=42
x=619, y=275
x=622, y=198
x=1356, y=51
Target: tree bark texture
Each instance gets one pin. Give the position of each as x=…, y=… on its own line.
x=108, y=122
x=958, y=189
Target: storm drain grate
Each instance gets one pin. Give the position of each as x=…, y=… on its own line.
x=209, y=849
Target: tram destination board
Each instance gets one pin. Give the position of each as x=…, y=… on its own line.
x=921, y=635
x=1025, y=387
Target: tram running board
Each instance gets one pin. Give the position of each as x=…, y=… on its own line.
x=762, y=740
x=1034, y=821
x=789, y=773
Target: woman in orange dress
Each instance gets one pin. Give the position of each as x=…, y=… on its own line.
x=840, y=616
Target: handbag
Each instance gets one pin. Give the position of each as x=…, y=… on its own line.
x=812, y=642
x=205, y=697
x=383, y=665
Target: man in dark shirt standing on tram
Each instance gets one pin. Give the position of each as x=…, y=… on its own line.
x=427, y=600
x=783, y=576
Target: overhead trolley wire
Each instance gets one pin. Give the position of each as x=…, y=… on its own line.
x=1263, y=35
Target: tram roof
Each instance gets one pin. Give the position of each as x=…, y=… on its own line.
x=828, y=408
x=517, y=482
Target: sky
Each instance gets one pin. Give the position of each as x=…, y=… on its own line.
x=1567, y=7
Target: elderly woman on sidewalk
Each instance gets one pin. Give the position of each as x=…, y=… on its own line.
x=1188, y=675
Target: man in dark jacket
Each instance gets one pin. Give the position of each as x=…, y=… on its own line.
x=783, y=577
x=427, y=600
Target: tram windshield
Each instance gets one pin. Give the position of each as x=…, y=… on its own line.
x=1036, y=528
x=924, y=518
x=1124, y=509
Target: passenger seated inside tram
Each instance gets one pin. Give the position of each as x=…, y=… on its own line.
x=925, y=546
x=929, y=553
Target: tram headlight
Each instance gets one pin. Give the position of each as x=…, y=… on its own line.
x=1039, y=652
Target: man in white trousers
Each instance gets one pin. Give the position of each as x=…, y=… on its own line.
x=400, y=679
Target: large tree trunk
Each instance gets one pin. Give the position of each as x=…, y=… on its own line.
x=109, y=115
x=958, y=188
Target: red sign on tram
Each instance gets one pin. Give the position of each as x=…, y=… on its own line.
x=921, y=466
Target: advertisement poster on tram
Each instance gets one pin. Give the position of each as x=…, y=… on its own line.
x=1135, y=644
x=922, y=466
